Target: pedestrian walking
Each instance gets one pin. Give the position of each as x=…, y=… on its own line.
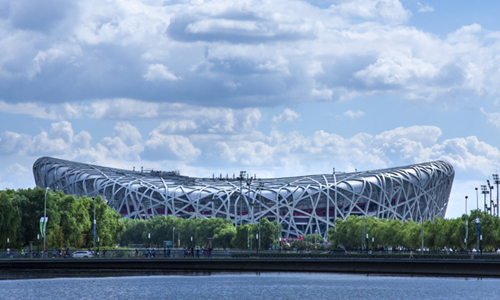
x=310, y=255
x=184, y=252
x=197, y=252
x=114, y=252
x=411, y=254
x=104, y=253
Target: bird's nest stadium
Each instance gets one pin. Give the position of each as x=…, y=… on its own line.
x=302, y=204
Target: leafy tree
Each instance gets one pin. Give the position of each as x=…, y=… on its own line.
x=241, y=239
x=313, y=238
x=10, y=220
x=223, y=238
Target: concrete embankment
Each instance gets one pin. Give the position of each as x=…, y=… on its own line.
x=14, y=269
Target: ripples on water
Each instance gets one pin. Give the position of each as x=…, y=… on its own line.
x=250, y=286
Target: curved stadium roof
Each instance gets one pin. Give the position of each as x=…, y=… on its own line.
x=302, y=204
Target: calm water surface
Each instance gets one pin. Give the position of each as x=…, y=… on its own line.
x=250, y=286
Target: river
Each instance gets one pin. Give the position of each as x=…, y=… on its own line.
x=253, y=286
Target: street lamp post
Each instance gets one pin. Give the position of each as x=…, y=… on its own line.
x=422, y=247
x=373, y=243
x=95, y=224
x=367, y=243
x=149, y=239
x=248, y=238
x=492, y=205
x=481, y=244
x=466, y=223
x=484, y=191
x=315, y=242
x=497, y=182
x=173, y=237
x=477, y=219
x=38, y=246
x=45, y=216
x=242, y=175
x=261, y=186
x=363, y=236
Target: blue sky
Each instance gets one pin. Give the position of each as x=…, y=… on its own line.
x=276, y=88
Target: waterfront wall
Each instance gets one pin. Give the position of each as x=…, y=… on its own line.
x=11, y=269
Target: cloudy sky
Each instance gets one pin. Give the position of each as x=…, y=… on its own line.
x=276, y=88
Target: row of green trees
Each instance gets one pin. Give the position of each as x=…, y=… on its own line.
x=70, y=219
x=198, y=232
x=70, y=224
x=438, y=234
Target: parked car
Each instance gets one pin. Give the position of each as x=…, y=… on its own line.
x=82, y=253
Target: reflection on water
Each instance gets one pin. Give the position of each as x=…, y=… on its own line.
x=253, y=286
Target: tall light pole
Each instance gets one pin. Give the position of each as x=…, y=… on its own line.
x=278, y=219
x=261, y=186
x=315, y=234
x=94, y=225
x=477, y=220
x=422, y=219
x=466, y=227
x=242, y=175
x=363, y=236
x=173, y=237
x=490, y=187
x=484, y=191
x=497, y=182
x=45, y=216
x=367, y=243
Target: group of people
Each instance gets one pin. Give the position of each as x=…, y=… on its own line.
x=205, y=252
x=150, y=252
x=167, y=253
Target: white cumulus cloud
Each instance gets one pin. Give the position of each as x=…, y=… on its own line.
x=287, y=116
x=159, y=72
x=354, y=114
x=424, y=8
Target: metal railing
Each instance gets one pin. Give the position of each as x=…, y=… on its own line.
x=225, y=254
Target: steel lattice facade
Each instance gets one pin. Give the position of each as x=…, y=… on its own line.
x=303, y=205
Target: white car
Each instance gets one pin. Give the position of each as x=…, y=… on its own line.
x=83, y=253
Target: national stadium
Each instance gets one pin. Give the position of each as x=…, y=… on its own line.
x=302, y=204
